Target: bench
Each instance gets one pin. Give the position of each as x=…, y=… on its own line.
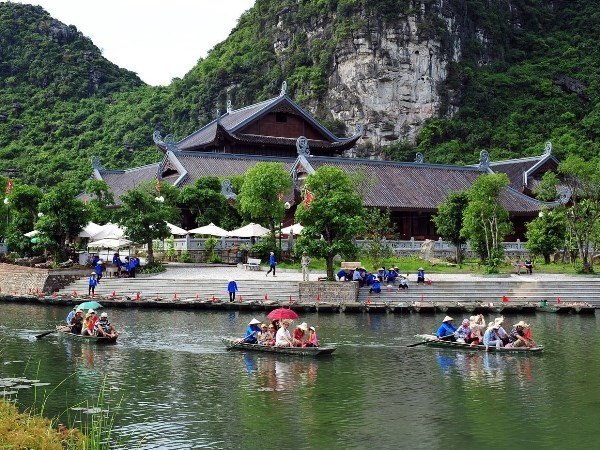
x=252, y=264
x=350, y=265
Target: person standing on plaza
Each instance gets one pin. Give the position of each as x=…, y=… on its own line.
x=231, y=288
x=305, y=261
x=272, y=264
x=92, y=284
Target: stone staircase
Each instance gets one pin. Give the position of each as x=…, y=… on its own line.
x=489, y=290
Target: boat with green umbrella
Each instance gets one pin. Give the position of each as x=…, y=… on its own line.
x=89, y=305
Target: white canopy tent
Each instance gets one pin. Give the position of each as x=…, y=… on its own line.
x=111, y=243
x=250, y=230
x=210, y=229
x=110, y=230
x=296, y=229
x=90, y=230
x=177, y=231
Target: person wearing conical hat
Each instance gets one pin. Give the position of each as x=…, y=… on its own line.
x=252, y=332
x=446, y=330
x=518, y=335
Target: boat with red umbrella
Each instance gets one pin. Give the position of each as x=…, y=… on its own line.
x=282, y=313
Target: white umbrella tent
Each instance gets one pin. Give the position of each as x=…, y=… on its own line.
x=250, y=230
x=176, y=231
x=211, y=230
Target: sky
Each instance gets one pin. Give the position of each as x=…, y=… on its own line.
x=158, y=39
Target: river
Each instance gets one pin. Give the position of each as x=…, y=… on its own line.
x=169, y=384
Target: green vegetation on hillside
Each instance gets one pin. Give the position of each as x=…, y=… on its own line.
x=533, y=77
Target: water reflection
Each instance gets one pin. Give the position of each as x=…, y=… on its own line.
x=279, y=374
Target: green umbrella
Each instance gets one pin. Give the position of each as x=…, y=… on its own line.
x=89, y=305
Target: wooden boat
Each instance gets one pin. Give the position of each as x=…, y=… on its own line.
x=432, y=341
x=558, y=309
x=233, y=344
x=92, y=339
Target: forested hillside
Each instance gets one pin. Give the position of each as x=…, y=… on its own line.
x=533, y=77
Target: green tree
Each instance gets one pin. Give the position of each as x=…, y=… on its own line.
x=205, y=201
x=63, y=217
x=334, y=218
x=100, y=203
x=580, y=180
x=486, y=221
x=145, y=214
x=378, y=226
x=449, y=220
x=546, y=233
x=22, y=211
x=260, y=193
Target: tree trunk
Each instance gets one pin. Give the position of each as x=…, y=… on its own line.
x=150, y=261
x=458, y=252
x=329, y=260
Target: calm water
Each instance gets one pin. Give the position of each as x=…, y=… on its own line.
x=171, y=385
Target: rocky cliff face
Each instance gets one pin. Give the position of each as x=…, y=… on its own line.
x=391, y=78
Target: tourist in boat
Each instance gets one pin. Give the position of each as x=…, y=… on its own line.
x=501, y=331
x=104, y=328
x=421, y=275
x=283, y=338
x=491, y=337
x=312, y=338
x=71, y=315
x=446, y=330
x=518, y=335
x=477, y=324
x=252, y=332
x=77, y=322
x=376, y=286
x=231, y=288
x=92, y=283
x=89, y=324
x=266, y=336
x=463, y=334
x=299, y=335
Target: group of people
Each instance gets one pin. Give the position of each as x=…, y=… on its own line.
x=374, y=279
x=528, y=264
x=471, y=331
x=90, y=325
x=278, y=334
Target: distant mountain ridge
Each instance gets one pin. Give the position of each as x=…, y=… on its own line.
x=446, y=78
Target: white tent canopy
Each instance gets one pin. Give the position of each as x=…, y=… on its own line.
x=296, y=229
x=112, y=243
x=110, y=230
x=250, y=230
x=90, y=230
x=210, y=229
x=177, y=231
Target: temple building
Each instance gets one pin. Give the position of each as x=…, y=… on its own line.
x=279, y=130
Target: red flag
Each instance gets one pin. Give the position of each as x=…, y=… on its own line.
x=9, y=186
x=308, y=198
x=504, y=299
x=157, y=185
x=280, y=196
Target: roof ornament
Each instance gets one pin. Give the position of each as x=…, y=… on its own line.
x=229, y=108
x=419, y=158
x=564, y=194
x=359, y=129
x=484, y=160
x=283, y=89
x=548, y=148
x=96, y=164
x=302, y=146
x=227, y=190
x=168, y=141
x=218, y=116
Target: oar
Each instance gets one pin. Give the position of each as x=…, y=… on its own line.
x=430, y=340
x=46, y=333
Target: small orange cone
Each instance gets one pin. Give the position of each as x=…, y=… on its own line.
x=267, y=298
x=241, y=298
x=558, y=300
x=213, y=298
x=197, y=296
x=114, y=294
x=93, y=295
x=174, y=296
x=318, y=298
x=75, y=293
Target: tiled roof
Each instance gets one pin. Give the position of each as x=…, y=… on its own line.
x=515, y=168
x=414, y=186
x=121, y=181
x=200, y=164
x=234, y=121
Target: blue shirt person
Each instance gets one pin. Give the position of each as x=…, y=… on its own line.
x=376, y=286
x=92, y=283
x=231, y=288
x=446, y=328
x=252, y=332
x=117, y=262
x=272, y=264
x=421, y=275
x=71, y=315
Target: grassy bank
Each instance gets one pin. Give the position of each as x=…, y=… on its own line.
x=24, y=431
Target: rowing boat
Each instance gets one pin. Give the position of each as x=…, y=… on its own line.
x=433, y=341
x=233, y=344
x=66, y=331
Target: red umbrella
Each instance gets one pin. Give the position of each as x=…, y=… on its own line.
x=282, y=313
